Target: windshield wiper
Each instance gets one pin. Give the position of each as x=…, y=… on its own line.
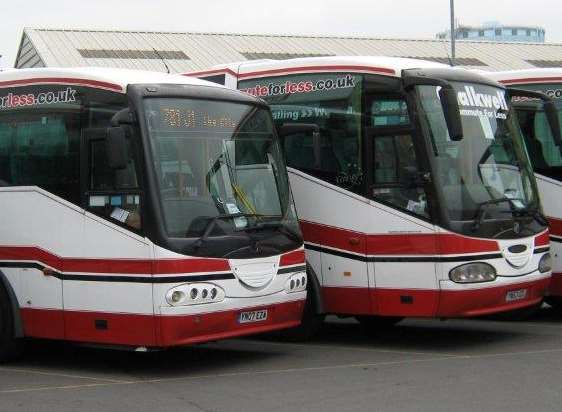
x=481, y=209
x=535, y=213
x=280, y=226
x=211, y=225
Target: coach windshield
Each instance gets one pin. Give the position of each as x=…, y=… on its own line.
x=219, y=170
x=484, y=180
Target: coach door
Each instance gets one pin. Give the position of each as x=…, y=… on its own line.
x=403, y=266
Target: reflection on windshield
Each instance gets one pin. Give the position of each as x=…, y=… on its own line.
x=489, y=164
x=216, y=159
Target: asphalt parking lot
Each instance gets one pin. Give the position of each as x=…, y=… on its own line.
x=420, y=365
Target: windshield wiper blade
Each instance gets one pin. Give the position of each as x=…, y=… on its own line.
x=280, y=226
x=211, y=225
x=535, y=213
x=479, y=217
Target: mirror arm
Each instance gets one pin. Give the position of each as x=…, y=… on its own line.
x=123, y=116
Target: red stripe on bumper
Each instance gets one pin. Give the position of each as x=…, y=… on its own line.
x=159, y=331
x=486, y=301
x=183, y=330
x=430, y=303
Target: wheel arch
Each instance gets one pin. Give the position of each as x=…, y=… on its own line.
x=16, y=313
x=316, y=288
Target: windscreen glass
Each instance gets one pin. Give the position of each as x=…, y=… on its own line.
x=219, y=167
x=485, y=180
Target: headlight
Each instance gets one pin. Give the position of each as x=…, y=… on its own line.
x=473, y=273
x=545, y=264
x=195, y=294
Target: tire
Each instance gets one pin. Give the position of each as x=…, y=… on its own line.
x=372, y=325
x=555, y=302
x=311, y=322
x=10, y=347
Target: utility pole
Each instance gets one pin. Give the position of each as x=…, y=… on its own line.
x=453, y=34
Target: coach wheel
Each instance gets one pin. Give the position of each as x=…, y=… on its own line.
x=311, y=321
x=555, y=302
x=10, y=347
x=374, y=324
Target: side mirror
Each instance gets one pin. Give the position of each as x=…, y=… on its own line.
x=451, y=111
x=288, y=129
x=116, y=148
x=447, y=95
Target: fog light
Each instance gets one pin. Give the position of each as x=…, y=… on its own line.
x=545, y=264
x=296, y=283
x=177, y=296
x=473, y=273
x=193, y=293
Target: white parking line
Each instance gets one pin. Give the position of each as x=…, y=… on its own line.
x=113, y=382
x=227, y=375
x=349, y=348
x=59, y=375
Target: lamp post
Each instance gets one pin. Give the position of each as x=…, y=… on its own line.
x=453, y=34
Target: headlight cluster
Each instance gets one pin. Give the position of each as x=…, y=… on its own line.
x=473, y=273
x=545, y=264
x=296, y=283
x=194, y=294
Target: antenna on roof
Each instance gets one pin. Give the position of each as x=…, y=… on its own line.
x=161, y=58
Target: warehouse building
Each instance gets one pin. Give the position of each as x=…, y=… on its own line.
x=182, y=52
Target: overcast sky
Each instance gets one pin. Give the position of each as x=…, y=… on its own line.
x=377, y=18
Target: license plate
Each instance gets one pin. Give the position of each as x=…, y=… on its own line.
x=516, y=295
x=252, y=316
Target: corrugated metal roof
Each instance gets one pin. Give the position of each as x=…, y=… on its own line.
x=61, y=48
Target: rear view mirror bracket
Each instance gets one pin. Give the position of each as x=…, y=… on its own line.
x=449, y=102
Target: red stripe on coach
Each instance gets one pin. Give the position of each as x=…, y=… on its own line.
x=295, y=257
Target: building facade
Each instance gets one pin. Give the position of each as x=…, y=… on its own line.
x=495, y=31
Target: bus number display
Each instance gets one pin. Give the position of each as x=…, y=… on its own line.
x=177, y=118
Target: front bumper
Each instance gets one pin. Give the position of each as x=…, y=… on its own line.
x=176, y=330
x=484, y=299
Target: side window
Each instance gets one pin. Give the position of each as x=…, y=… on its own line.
x=41, y=148
x=112, y=193
x=396, y=178
x=396, y=175
x=333, y=102
x=548, y=148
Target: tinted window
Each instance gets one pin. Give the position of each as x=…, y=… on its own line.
x=331, y=101
x=40, y=134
